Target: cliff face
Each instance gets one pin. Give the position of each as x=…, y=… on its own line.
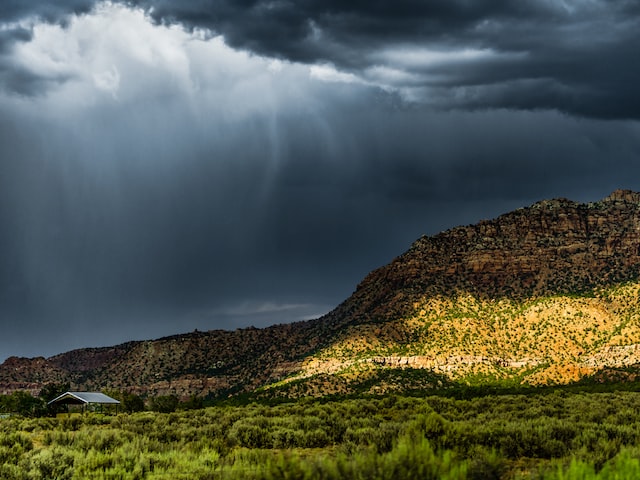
x=547, y=293
x=551, y=247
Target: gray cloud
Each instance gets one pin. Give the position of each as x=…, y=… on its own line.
x=321, y=31
x=10, y=36
x=575, y=57
x=11, y=76
x=15, y=10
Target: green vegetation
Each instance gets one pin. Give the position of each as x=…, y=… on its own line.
x=544, y=434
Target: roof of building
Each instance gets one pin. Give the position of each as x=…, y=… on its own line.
x=84, y=398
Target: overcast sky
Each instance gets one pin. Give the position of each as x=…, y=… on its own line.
x=167, y=165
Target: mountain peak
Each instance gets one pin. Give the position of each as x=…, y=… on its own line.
x=627, y=196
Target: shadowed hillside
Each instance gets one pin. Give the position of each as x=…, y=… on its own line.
x=544, y=294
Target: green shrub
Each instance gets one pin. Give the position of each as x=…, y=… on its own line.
x=50, y=463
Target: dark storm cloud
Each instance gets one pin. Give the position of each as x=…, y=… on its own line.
x=576, y=57
x=336, y=31
x=15, y=10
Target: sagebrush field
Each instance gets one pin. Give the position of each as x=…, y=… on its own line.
x=555, y=434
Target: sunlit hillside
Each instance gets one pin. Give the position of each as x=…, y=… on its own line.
x=545, y=340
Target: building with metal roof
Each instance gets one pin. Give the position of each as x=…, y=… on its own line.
x=84, y=399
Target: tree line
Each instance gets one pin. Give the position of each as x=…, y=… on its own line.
x=23, y=403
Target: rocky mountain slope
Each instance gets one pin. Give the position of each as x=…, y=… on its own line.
x=545, y=294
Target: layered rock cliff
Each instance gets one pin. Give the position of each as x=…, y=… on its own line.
x=551, y=247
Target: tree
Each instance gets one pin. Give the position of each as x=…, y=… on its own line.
x=129, y=402
x=164, y=403
x=22, y=403
x=51, y=391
